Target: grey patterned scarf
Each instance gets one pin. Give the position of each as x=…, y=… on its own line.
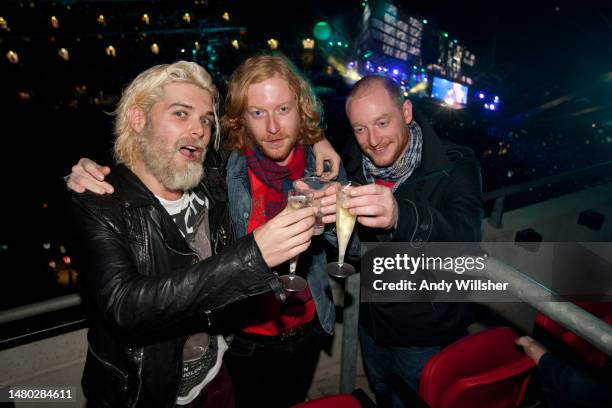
x=404, y=166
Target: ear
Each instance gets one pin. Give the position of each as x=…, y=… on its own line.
x=407, y=111
x=137, y=118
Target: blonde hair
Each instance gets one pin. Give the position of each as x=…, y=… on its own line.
x=148, y=89
x=258, y=69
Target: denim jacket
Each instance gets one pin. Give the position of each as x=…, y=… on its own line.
x=239, y=190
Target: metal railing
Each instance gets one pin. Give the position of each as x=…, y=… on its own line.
x=36, y=309
x=576, y=319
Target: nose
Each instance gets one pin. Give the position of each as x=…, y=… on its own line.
x=272, y=125
x=197, y=128
x=375, y=137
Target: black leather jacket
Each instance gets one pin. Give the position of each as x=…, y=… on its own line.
x=146, y=289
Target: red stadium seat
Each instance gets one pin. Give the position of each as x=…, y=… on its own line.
x=333, y=401
x=584, y=349
x=481, y=370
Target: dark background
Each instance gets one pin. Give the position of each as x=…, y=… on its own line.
x=550, y=62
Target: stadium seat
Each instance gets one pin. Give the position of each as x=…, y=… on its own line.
x=484, y=369
x=358, y=399
x=333, y=401
x=587, y=352
x=481, y=370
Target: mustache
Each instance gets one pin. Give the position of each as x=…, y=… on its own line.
x=146, y=138
x=187, y=141
x=276, y=136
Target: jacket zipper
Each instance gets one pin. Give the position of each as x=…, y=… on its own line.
x=109, y=365
x=139, y=377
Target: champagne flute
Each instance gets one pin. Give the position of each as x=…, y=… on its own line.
x=315, y=186
x=296, y=200
x=345, y=223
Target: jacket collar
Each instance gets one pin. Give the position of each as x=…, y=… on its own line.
x=130, y=190
x=433, y=158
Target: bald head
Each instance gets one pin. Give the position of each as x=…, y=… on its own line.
x=379, y=115
x=371, y=83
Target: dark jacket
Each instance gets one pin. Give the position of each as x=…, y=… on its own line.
x=146, y=289
x=440, y=202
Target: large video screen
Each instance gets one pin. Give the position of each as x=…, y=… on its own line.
x=451, y=93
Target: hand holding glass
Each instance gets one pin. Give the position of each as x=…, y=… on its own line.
x=295, y=200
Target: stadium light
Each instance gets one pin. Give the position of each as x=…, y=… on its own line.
x=322, y=31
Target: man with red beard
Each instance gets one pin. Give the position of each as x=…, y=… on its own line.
x=156, y=260
x=271, y=116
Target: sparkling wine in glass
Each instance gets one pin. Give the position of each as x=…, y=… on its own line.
x=296, y=200
x=345, y=223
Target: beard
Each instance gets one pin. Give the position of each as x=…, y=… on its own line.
x=161, y=161
x=399, y=150
x=277, y=154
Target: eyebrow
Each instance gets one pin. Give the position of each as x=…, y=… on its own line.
x=383, y=116
x=288, y=102
x=181, y=104
x=187, y=106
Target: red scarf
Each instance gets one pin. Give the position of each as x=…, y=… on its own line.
x=269, y=186
x=271, y=182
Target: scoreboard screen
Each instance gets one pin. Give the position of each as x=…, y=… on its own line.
x=393, y=33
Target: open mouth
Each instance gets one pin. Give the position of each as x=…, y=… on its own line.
x=191, y=152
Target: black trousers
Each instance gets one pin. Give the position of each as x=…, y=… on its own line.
x=273, y=373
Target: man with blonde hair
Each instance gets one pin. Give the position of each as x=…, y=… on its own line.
x=156, y=257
